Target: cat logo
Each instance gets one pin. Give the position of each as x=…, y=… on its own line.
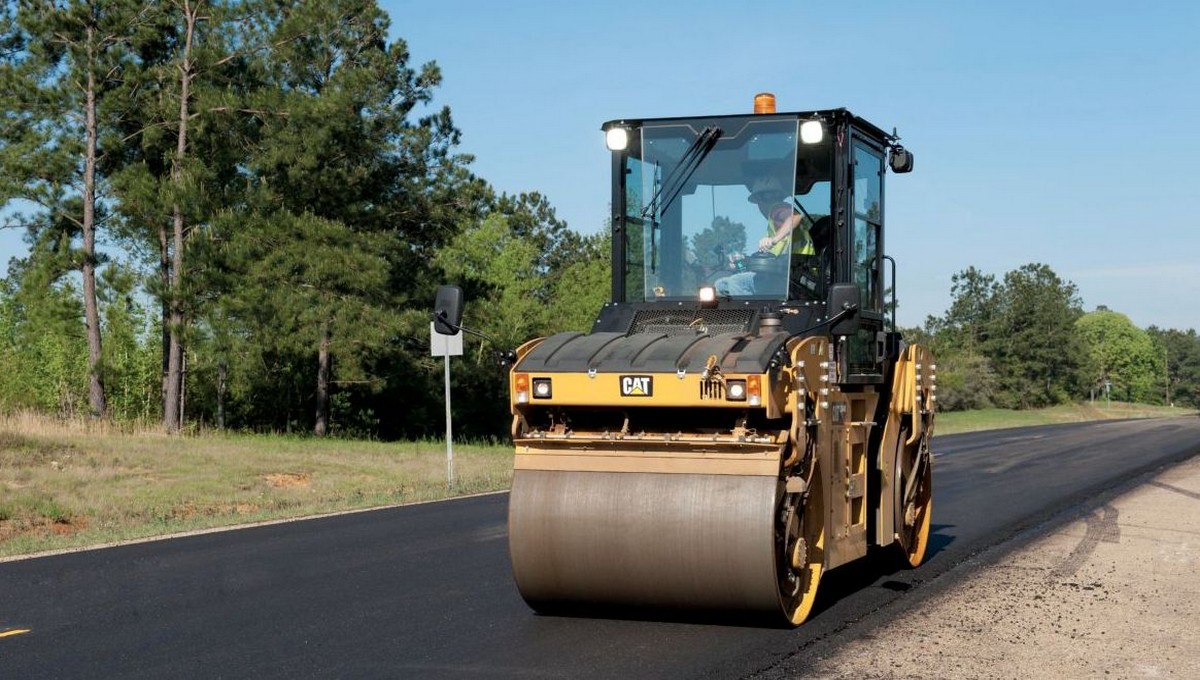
x=636, y=386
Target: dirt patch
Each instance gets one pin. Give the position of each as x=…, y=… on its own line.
x=69, y=526
x=41, y=526
x=289, y=480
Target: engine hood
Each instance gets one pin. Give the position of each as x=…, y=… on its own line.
x=652, y=352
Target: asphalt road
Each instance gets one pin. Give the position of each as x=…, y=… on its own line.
x=426, y=591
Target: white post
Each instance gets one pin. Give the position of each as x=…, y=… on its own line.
x=1167, y=379
x=447, y=346
x=449, y=439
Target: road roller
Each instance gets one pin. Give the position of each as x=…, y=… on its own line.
x=743, y=416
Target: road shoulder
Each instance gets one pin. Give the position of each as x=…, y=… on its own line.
x=1110, y=593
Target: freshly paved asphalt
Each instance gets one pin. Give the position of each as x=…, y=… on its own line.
x=426, y=591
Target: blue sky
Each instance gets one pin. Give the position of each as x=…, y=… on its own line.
x=1057, y=132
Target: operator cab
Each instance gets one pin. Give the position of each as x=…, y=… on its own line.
x=694, y=198
x=694, y=191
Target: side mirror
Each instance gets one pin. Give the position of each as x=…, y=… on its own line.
x=900, y=159
x=844, y=298
x=447, y=310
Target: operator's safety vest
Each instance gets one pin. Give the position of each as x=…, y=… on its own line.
x=800, y=239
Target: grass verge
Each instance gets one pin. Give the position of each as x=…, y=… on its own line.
x=995, y=419
x=66, y=486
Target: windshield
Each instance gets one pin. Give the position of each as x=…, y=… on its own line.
x=745, y=214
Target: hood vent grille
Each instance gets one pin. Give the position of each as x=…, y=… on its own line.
x=691, y=321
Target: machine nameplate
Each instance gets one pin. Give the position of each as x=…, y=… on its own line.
x=637, y=386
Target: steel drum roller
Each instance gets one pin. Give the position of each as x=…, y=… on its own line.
x=679, y=540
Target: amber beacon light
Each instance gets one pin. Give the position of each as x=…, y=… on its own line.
x=764, y=102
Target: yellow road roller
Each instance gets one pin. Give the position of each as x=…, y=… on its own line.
x=743, y=415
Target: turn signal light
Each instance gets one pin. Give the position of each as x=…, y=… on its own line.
x=754, y=390
x=521, y=388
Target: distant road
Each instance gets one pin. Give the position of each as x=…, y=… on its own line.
x=426, y=590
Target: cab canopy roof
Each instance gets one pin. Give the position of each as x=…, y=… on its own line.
x=825, y=115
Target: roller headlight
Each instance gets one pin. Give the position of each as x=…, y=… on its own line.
x=541, y=388
x=812, y=132
x=616, y=138
x=735, y=390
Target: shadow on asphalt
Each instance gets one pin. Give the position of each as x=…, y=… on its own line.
x=939, y=540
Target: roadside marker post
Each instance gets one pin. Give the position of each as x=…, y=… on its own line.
x=446, y=346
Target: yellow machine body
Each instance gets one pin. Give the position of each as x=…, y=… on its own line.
x=654, y=513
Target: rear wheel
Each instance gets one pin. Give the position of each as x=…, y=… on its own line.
x=913, y=499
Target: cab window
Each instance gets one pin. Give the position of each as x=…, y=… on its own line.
x=868, y=222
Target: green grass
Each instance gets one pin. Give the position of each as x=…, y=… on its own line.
x=994, y=419
x=84, y=483
x=62, y=489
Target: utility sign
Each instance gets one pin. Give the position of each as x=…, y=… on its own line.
x=636, y=386
x=445, y=345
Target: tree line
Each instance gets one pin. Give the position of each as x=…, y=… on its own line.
x=1024, y=341
x=237, y=214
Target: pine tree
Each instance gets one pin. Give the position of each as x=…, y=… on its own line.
x=59, y=64
x=179, y=142
x=1031, y=337
x=350, y=195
